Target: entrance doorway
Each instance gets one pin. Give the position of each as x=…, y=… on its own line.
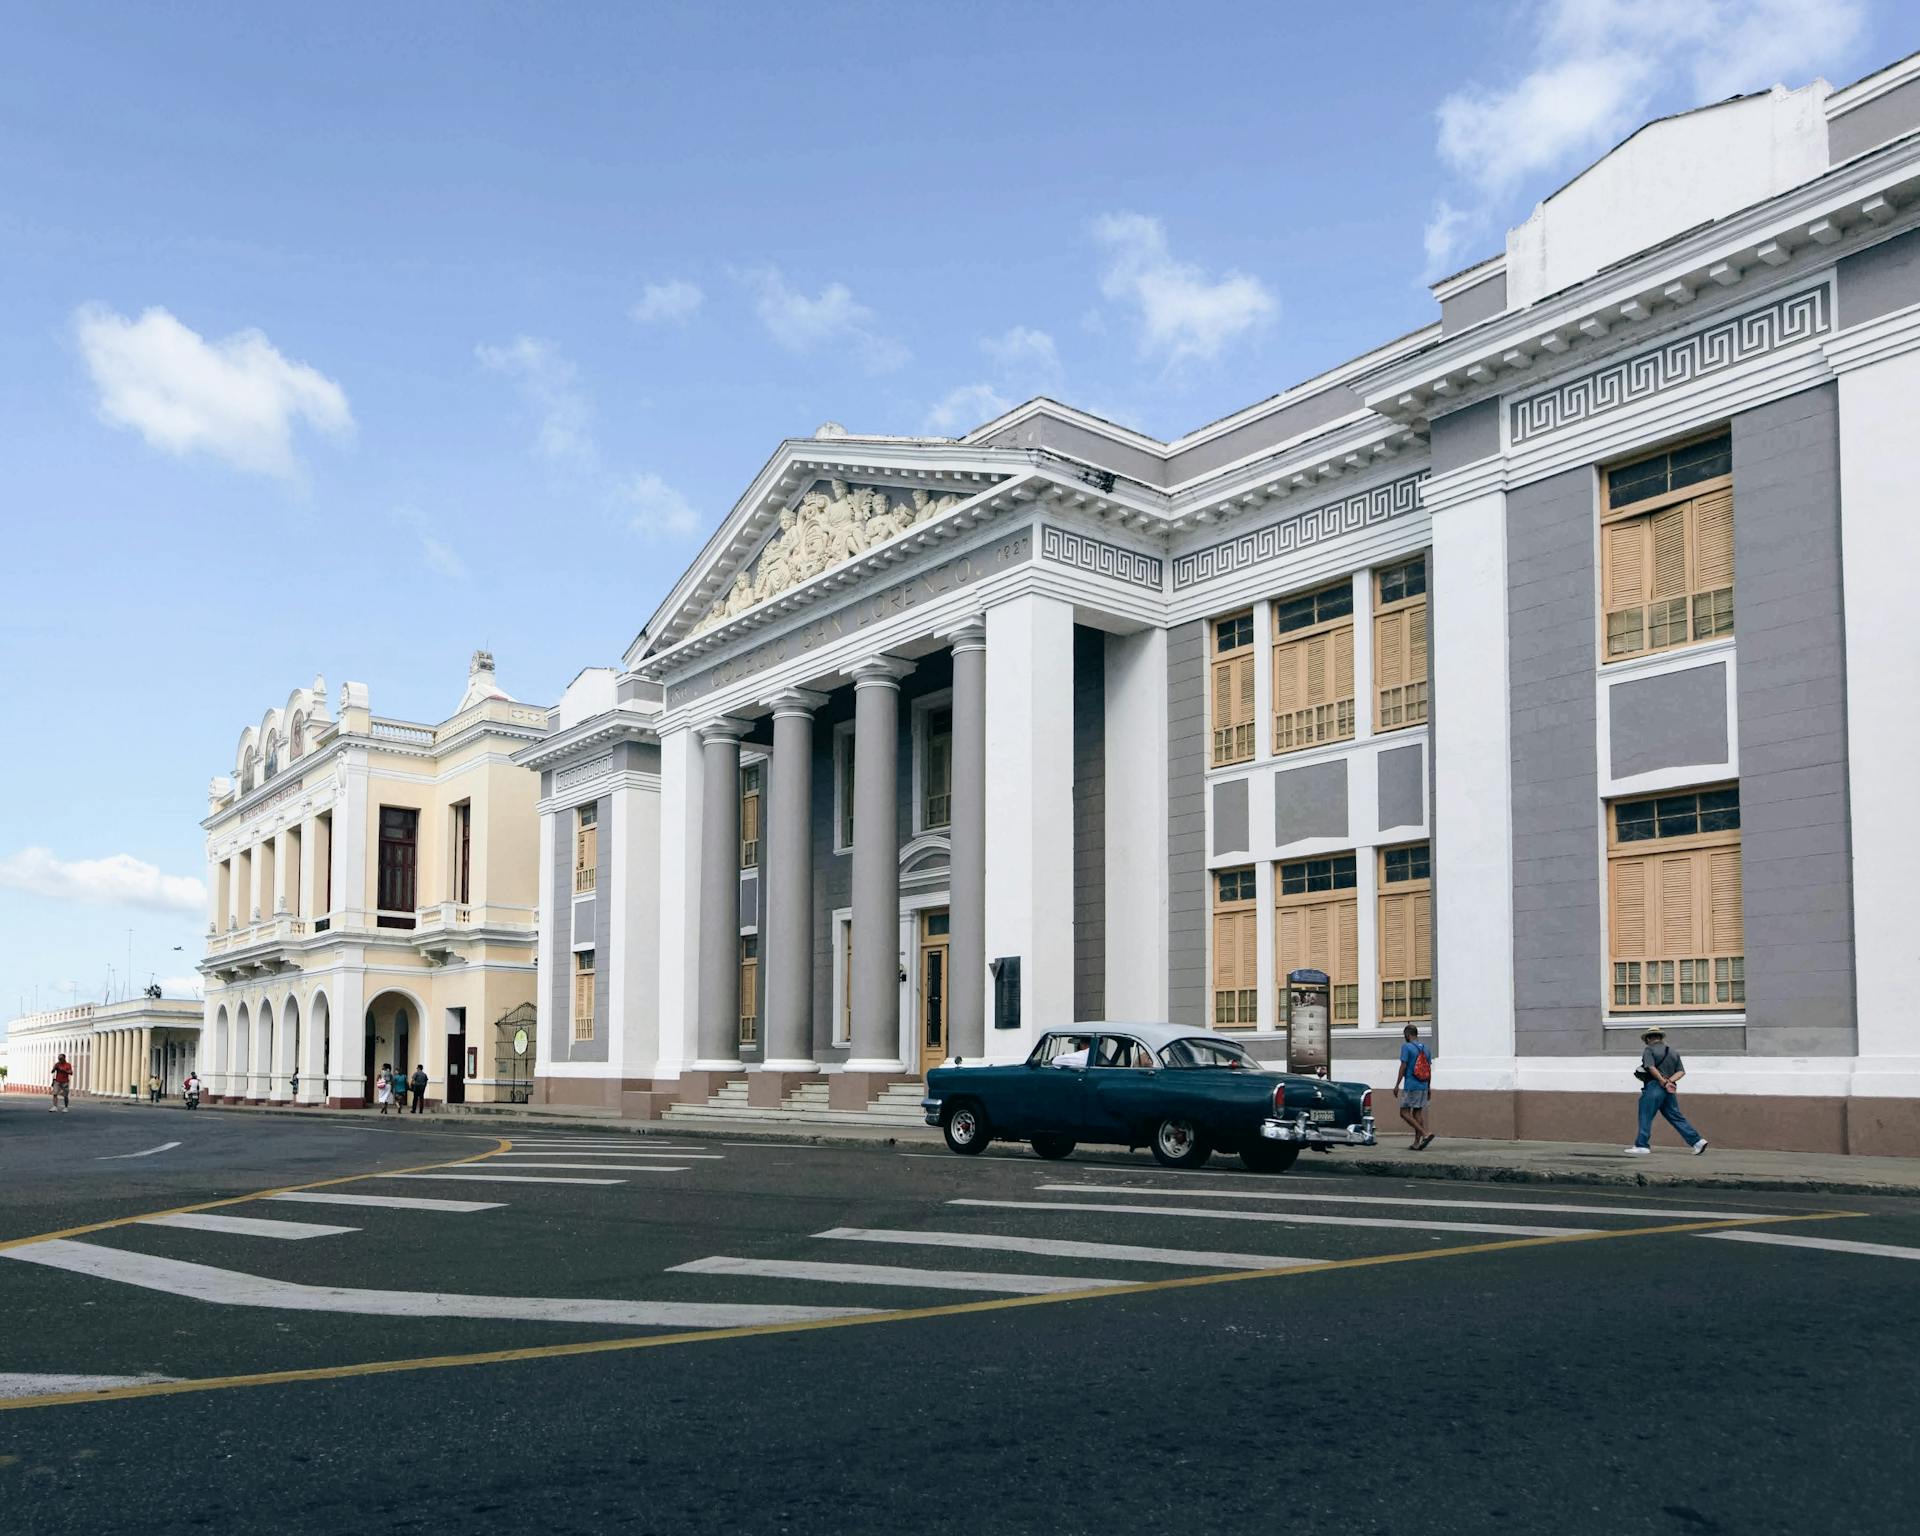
x=456, y=1055
x=933, y=989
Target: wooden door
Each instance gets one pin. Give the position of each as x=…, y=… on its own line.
x=933, y=990
x=456, y=1078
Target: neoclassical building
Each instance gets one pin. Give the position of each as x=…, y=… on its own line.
x=1536, y=675
x=114, y=1047
x=372, y=898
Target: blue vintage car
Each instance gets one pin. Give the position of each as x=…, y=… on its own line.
x=1185, y=1093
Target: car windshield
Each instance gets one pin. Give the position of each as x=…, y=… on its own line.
x=1208, y=1053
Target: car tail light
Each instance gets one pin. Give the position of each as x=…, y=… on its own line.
x=1279, y=1097
x=1366, y=1099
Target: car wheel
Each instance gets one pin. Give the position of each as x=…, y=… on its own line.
x=1269, y=1157
x=1053, y=1147
x=965, y=1126
x=1178, y=1143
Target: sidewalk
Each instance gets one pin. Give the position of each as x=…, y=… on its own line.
x=1499, y=1162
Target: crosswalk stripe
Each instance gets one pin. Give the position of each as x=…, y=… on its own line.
x=392, y=1202
x=227, y=1287
x=596, y=1167
x=507, y=1178
x=1830, y=1244
x=608, y=1144
x=880, y=1274
x=609, y=1159
x=1472, y=1205
x=1289, y=1218
x=1195, y=1258
x=242, y=1226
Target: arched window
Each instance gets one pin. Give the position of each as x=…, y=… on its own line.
x=273, y=758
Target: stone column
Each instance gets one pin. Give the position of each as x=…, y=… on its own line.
x=146, y=1058
x=789, y=877
x=718, y=1028
x=876, y=867
x=967, y=894
x=280, y=870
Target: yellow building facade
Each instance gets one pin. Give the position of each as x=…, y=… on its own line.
x=372, y=890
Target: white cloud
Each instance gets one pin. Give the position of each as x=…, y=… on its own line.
x=1022, y=351
x=802, y=324
x=117, y=881
x=656, y=508
x=438, y=554
x=964, y=408
x=550, y=385
x=673, y=302
x=181, y=986
x=1446, y=235
x=1184, y=316
x=237, y=399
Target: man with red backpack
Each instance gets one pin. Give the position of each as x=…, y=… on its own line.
x=1416, y=1071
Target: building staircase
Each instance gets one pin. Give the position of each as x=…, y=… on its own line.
x=807, y=1104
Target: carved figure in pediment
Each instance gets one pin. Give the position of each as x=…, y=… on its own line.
x=774, y=574
x=740, y=599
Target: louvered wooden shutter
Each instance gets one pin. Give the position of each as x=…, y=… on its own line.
x=1669, y=553
x=1625, y=558
x=1726, y=921
x=1346, y=941
x=1627, y=907
x=1679, y=912
x=1319, y=679
x=1417, y=644
x=1713, y=541
x=1289, y=676
x=583, y=1004
x=1340, y=684
x=1395, y=941
x=1389, y=648
x=1290, y=940
x=1422, y=925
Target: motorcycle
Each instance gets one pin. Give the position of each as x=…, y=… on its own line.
x=192, y=1097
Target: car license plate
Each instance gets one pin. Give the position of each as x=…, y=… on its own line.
x=1322, y=1116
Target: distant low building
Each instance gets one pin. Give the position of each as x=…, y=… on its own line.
x=372, y=892
x=114, y=1047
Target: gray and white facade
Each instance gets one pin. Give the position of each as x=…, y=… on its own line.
x=1537, y=674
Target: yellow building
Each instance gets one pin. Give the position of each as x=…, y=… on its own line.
x=372, y=894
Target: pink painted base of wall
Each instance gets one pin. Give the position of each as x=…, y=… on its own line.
x=1749, y=1122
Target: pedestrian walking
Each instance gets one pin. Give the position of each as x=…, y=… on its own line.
x=383, y=1087
x=1659, y=1071
x=153, y=1087
x=419, y=1086
x=62, y=1084
x=1416, y=1072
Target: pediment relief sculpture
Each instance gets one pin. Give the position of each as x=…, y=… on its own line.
x=828, y=526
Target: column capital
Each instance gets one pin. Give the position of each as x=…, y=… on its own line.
x=724, y=728
x=970, y=634
x=795, y=701
x=881, y=671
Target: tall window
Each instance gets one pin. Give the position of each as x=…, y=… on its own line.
x=845, y=1034
x=586, y=848
x=936, y=808
x=1233, y=690
x=1406, y=934
x=749, y=989
x=1675, y=925
x=750, y=816
x=1666, y=549
x=399, y=840
x=1400, y=645
x=463, y=852
x=1316, y=926
x=583, y=998
x=1313, y=668
x=1236, y=950
x=845, y=743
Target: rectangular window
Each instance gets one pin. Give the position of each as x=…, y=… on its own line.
x=1675, y=924
x=749, y=990
x=1406, y=934
x=936, y=773
x=583, y=999
x=586, y=848
x=1316, y=925
x=399, y=843
x=845, y=1032
x=1666, y=549
x=843, y=741
x=463, y=852
x=1236, y=950
x=1233, y=690
x=1400, y=645
x=750, y=816
x=1313, y=668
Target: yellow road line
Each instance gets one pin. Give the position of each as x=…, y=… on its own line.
x=258, y=1194
x=913, y=1314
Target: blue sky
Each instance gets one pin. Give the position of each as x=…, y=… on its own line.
x=345, y=339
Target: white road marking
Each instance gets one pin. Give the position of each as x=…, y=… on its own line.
x=603, y=1159
x=1830, y=1244
x=603, y=1144
x=507, y=1178
x=230, y=1288
x=33, y=1384
x=165, y=1146
x=777, y=1146
x=1290, y=1218
x=879, y=1274
x=243, y=1226
x=1193, y=1257
x=393, y=1202
x=1469, y=1205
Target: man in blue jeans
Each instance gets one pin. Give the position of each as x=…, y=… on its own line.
x=1660, y=1071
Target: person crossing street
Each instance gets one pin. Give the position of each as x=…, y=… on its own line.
x=1660, y=1071
x=62, y=1085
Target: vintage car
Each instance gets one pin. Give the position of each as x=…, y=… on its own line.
x=1185, y=1093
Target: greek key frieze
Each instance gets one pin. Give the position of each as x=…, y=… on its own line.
x=1099, y=557
x=1301, y=531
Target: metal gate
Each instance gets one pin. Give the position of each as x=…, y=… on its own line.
x=513, y=1042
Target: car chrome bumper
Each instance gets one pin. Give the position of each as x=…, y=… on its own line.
x=931, y=1109
x=1301, y=1133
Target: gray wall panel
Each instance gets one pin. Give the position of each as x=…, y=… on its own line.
x=1186, y=825
x=1230, y=823
x=557, y=1007
x=1668, y=721
x=1400, y=774
x=1796, y=850
x=584, y=920
x=1089, y=823
x=1466, y=436
x=1311, y=802
x=1873, y=123
x=1470, y=306
x=1557, y=921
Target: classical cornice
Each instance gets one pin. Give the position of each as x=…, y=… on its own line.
x=587, y=738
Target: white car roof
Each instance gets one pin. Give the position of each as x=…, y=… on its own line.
x=1151, y=1035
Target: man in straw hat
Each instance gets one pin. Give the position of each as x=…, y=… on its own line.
x=1659, y=1071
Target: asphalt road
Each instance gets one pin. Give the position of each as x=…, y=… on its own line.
x=999, y=1344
